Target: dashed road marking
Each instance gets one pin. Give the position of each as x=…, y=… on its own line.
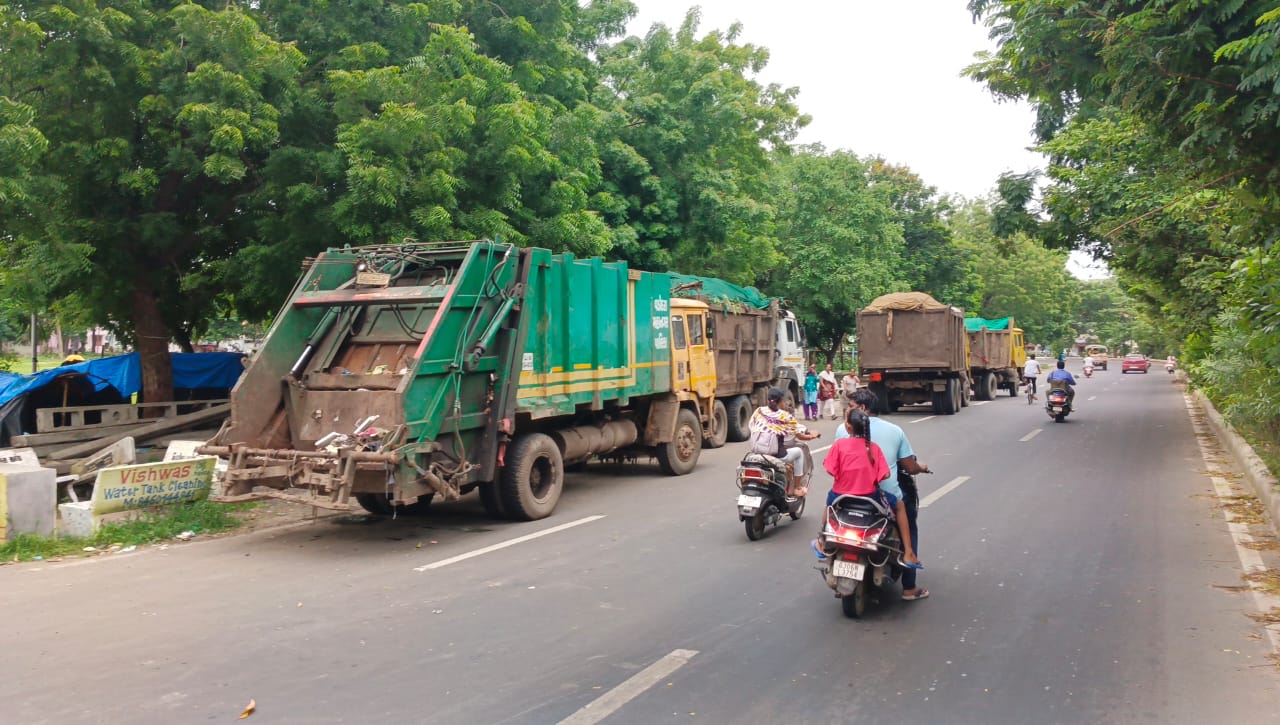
x=1030, y=435
x=947, y=488
x=980, y=402
x=921, y=420
x=508, y=542
x=1093, y=397
x=611, y=701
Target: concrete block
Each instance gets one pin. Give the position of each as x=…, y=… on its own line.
x=28, y=500
x=78, y=521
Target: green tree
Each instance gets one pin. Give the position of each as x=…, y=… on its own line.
x=158, y=119
x=687, y=165
x=841, y=238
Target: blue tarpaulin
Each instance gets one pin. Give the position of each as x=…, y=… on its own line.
x=124, y=373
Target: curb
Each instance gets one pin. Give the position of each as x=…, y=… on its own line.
x=1242, y=454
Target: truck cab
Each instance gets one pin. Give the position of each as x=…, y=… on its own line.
x=790, y=350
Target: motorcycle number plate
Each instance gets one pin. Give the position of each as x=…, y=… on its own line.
x=749, y=501
x=1057, y=408
x=849, y=569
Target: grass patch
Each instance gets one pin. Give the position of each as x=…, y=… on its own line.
x=147, y=526
x=1267, y=580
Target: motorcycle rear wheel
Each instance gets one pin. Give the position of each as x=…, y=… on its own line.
x=797, y=509
x=855, y=605
x=755, y=525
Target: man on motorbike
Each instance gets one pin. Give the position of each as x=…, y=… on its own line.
x=1062, y=378
x=775, y=432
x=897, y=452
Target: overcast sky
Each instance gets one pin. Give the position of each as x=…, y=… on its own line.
x=881, y=77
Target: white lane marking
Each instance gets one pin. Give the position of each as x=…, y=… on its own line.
x=1250, y=559
x=950, y=486
x=980, y=402
x=1093, y=397
x=816, y=451
x=611, y=701
x=921, y=420
x=1030, y=435
x=505, y=544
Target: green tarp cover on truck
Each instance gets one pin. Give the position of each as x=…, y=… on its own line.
x=717, y=292
x=978, y=324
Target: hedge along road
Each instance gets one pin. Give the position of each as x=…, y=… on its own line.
x=1083, y=575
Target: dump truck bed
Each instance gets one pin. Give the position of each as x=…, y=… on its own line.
x=931, y=339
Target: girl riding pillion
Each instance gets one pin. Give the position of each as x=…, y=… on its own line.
x=858, y=465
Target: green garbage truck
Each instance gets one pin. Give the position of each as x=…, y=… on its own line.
x=397, y=374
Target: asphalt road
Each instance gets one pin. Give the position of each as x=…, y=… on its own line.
x=1083, y=573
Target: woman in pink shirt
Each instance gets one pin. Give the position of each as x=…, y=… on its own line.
x=858, y=466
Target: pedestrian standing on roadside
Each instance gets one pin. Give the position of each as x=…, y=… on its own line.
x=849, y=385
x=827, y=393
x=811, y=394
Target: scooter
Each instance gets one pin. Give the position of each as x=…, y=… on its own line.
x=1056, y=405
x=1088, y=371
x=763, y=492
x=1168, y=368
x=861, y=546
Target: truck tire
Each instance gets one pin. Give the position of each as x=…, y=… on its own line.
x=938, y=402
x=883, y=404
x=680, y=455
x=965, y=391
x=950, y=398
x=492, y=501
x=739, y=413
x=719, y=427
x=989, y=387
x=530, y=484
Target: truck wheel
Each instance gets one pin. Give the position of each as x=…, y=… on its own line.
x=881, y=391
x=950, y=398
x=964, y=395
x=939, y=402
x=989, y=386
x=1013, y=389
x=680, y=455
x=492, y=501
x=739, y=414
x=719, y=427
x=531, y=482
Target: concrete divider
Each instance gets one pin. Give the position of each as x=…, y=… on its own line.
x=129, y=488
x=1246, y=460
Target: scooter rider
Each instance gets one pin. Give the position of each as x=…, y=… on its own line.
x=1067, y=380
x=775, y=432
x=897, y=452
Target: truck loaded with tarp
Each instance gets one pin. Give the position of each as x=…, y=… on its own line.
x=758, y=344
x=913, y=349
x=395, y=374
x=108, y=381
x=997, y=353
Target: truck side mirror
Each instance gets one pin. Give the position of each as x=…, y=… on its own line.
x=711, y=328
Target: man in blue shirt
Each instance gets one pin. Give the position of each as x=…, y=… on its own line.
x=1065, y=378
x=897, y=452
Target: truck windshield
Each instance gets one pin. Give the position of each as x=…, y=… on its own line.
x=695, y=330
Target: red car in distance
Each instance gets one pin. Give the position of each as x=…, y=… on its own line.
x=1136, y=362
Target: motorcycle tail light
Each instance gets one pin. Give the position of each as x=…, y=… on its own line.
x=752, y=473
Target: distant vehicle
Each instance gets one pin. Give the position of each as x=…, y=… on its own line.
x=1135, y=361
x=1099, y=355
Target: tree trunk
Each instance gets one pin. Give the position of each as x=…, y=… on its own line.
x=153, y=345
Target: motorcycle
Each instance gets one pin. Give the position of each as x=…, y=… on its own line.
x=1168, y=368
x=861, y=548
x=763, y=492
x=1088, y=371
x=1056, y=405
